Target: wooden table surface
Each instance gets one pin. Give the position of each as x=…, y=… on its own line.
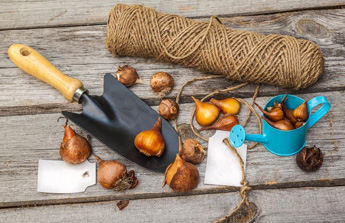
x=71, y=34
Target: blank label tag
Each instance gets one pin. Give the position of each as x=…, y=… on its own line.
x=223, y=166
x=55, y=176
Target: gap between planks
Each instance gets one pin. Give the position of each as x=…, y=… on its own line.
x=293, y=205
x=340, y=6
x=184, y=99
x=328, y=183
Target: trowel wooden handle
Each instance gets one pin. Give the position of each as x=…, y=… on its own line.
x=33, y=63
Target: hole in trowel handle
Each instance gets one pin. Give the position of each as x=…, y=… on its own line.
x=25, y=51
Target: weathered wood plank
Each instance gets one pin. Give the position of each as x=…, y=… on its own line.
x=26, y=139
x=81, y=52
x=280, y=205
x=77, y=12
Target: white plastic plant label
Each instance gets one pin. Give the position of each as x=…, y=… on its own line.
x=223, y=166
x=55, y=176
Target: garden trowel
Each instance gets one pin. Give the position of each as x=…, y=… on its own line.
x=115, y=118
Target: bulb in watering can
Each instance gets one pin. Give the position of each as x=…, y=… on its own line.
x=275, y=114
x=283, y=124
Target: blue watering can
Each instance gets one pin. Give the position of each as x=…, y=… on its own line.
x=278, y=142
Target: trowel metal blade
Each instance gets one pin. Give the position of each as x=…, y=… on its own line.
x=116, y=117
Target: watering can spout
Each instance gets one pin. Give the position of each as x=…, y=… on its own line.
x=257, y=138
x=238, y=136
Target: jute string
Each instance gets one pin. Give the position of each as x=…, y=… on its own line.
x=244, y=189
x=280, y=60
x=245, y=184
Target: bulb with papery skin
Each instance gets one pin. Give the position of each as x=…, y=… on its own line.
x=228, y=106
x=168, y=109
x=283, y=124
x=301, y=112
x=162, y=82
x=127, y=75
x=151, y=142
x=181, y=176
x=192, y=151
x=299, y=124
x=74, y=148
x=288, y=113
x=205, y=113
x=224, y=123
x=275, y=114
x=113, y=175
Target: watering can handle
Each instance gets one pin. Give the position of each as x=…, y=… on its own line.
x=312, y=103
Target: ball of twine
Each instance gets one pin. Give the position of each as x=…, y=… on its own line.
x=280, y=60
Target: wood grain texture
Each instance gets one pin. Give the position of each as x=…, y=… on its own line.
x=26, y=139
x=280, y=205
x=30, y=13
x=81, y=53
x=74, y=41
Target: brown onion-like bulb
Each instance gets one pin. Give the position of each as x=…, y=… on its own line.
x=275, y=114
x=74, y=148
x=113, y=175
x=162, y=82
x=192, y=151
x=225, y=123
x=227, y=106
x=288, y=113
x=276, y=105
x=127, y=75
x=150, y=142
x=299, y=124
x=168, y=109
x=309, y=159
x=301, y=112
x=283, y=124
x=181, y=176
x=205, y=113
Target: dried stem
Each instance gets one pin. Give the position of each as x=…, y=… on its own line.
x=180, y=144
x=99, y=160
x=64, y=118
